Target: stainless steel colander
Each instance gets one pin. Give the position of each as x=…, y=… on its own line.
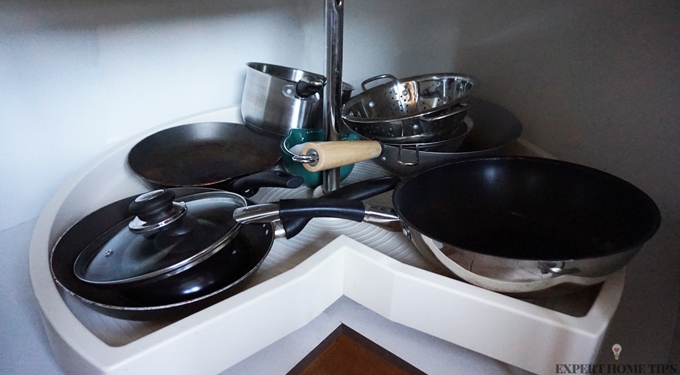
x=411, y=110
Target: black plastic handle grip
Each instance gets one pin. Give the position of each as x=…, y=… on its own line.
x=365, y=189
x=249, y=185
x=356, y=191
x=321, y=207
x=307, y=87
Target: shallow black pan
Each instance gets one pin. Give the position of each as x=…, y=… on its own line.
x=211, y=154
x=220, y=276
x=254, y=239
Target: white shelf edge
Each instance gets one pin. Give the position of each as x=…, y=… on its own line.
x=430, y=303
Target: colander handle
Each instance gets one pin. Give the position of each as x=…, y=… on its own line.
x=363, y=84
x=458, y=108
x=408, y=163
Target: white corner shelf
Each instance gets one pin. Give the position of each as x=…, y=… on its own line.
x=300, y=278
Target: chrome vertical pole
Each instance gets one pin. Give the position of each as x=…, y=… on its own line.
x=332, y=93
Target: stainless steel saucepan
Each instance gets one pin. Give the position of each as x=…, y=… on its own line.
x=494, y=129
x=277, y=98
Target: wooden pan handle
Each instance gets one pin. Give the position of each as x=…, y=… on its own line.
x=334, y=154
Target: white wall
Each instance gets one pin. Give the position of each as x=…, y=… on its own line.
x=594, y=82
x=77, y=78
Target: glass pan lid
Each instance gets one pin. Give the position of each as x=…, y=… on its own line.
x=162, y=241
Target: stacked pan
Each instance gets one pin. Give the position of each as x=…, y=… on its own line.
x=421, y=113
x=416, y=123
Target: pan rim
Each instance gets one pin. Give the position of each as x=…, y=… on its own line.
x=645, y=199
x=136, y=148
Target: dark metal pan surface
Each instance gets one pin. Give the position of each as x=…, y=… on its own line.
x=174, y=296
x=527, y=208
x=210, y=154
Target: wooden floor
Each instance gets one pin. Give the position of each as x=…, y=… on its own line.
x=347, y=352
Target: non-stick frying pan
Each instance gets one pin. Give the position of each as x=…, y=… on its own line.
x=511, y=224
x=255, y=240
x=211, y=154
x=175, y=292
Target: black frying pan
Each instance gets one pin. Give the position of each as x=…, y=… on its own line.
x=211, y=154
x=221, y=275
x=217, y=283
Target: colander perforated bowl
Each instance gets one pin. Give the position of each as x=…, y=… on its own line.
x=410, y=110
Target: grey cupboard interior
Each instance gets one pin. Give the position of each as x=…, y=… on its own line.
x=595, y=83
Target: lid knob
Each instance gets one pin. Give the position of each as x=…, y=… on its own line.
x=155, y=210
x=157, y=203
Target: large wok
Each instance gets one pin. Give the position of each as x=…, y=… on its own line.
x=211, y=154
x=179, y=291
x=515, y=225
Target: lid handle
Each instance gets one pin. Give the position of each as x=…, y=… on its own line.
x=155, y=210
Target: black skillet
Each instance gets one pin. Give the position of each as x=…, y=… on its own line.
x=182, y=291
x=216, y=155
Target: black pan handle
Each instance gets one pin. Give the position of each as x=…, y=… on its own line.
x=358, y=211
x=290, y=209
x=248, y=185
x=293, y=209
x=357, y=191
x=365, y=189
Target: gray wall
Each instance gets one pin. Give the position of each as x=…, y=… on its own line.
x=593, y=82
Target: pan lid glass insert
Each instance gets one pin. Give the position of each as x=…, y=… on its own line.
x=164, y=238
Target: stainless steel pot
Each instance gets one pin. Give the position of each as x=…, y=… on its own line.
x=494, y=129
x=446, y=142
x=277, y=98
x=319, y=156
